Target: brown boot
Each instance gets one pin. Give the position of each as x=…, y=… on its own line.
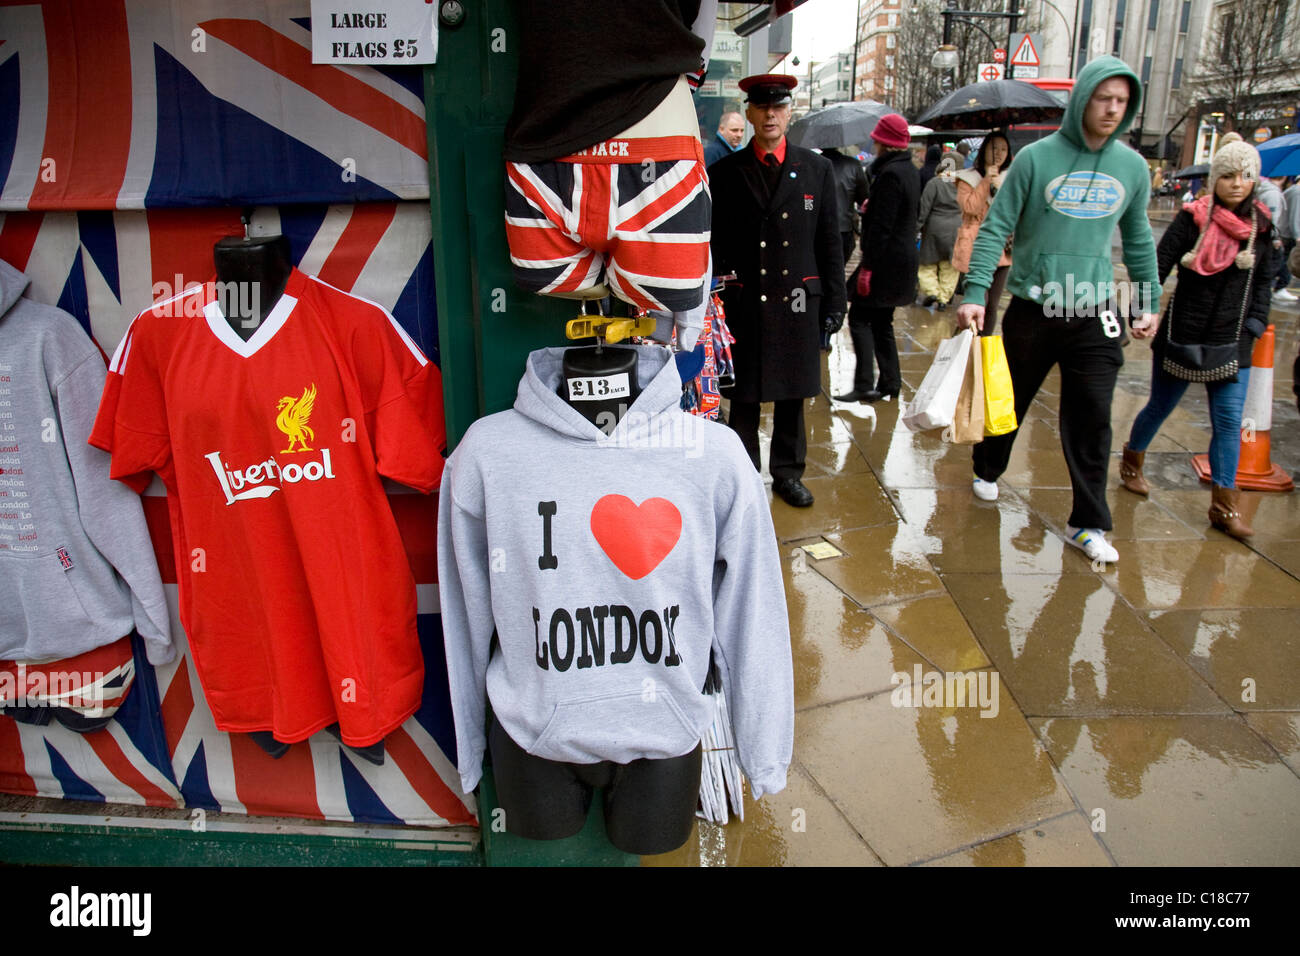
x=1225, y=512
x=1130, y=472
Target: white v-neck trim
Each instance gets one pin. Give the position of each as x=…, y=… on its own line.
x=265, y=332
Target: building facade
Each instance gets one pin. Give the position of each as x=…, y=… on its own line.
x=878, y=29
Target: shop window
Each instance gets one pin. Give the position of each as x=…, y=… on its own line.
x=1119, y=25
x=1229, y=24
x=1279, y=28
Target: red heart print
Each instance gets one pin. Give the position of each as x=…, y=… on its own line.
x=636, y=537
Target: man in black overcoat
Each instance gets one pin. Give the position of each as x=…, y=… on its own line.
x=776, y=225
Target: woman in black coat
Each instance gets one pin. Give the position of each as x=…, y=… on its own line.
x=889, y=256
x=1222, y=245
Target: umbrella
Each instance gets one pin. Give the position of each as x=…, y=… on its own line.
x=947, y=135
x=992, y=104
x=837, y=125
x=1280, y=156
x=1199, y=171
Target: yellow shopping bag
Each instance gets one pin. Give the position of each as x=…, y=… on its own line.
x=999, y=401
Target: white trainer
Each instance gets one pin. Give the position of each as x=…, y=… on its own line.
x=1092, y=543
x=985, y=490
x=1282, y=295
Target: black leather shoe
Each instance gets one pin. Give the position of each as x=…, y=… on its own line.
x=853, y=396
x=876, y=395
x=792, y=492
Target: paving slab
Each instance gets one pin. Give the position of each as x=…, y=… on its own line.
x=1179, y=791
x=918, y=782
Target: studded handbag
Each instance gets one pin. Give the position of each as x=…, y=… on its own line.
x=1194, y=362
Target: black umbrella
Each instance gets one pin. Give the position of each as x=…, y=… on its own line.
x=952, y=135
x=839, y=124
x=1199, y=171
x=997, y=103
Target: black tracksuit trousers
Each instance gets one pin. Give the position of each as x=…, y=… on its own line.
x=1090, y=360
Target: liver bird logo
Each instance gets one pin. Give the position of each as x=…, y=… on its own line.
x=292, y=420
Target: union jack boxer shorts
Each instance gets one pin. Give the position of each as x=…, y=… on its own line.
x=633, y=213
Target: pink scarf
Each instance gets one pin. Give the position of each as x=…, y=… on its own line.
x=1218, y=244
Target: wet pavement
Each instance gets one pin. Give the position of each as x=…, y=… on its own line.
x=1144, y=713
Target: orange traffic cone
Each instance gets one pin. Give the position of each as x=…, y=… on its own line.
x=1255, y=469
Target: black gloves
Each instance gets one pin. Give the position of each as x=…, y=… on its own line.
x=832, y=322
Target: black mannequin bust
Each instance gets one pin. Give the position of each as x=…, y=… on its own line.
x=594, y=370
x=251, y=275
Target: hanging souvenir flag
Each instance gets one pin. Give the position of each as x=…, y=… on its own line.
x=125, y=761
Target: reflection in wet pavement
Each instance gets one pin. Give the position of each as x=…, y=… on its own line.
x=1143, y=713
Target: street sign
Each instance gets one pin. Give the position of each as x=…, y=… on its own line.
x=999, y=56
x=711, y=88
x=989, y=71
x=1025, y=61
x=1026, y=49
x=1263, y=134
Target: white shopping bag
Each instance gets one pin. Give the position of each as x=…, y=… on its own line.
x=936, y=400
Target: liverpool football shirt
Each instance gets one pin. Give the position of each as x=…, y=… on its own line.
x=295, y=591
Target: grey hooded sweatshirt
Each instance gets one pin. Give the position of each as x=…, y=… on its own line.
x=608, y=567
x=77, y=566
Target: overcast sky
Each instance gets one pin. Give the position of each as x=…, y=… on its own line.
x=821, y=29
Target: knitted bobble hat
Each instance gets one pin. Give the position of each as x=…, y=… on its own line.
x=892, y=131
x=1233, y=155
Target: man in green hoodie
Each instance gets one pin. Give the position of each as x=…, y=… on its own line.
x=1062, y=199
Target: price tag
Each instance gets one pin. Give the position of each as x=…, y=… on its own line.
x=599, y=388
x=393, y=32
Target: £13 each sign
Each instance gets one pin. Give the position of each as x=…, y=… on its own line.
x=392, y=32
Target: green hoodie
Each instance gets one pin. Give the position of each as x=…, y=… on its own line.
x=1062, y=201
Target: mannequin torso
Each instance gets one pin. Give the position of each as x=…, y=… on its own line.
x=251, y=276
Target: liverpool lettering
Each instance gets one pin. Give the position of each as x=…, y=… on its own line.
x=252, y=477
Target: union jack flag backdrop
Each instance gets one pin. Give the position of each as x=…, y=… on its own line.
x=124, y=104
x=248, y=121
